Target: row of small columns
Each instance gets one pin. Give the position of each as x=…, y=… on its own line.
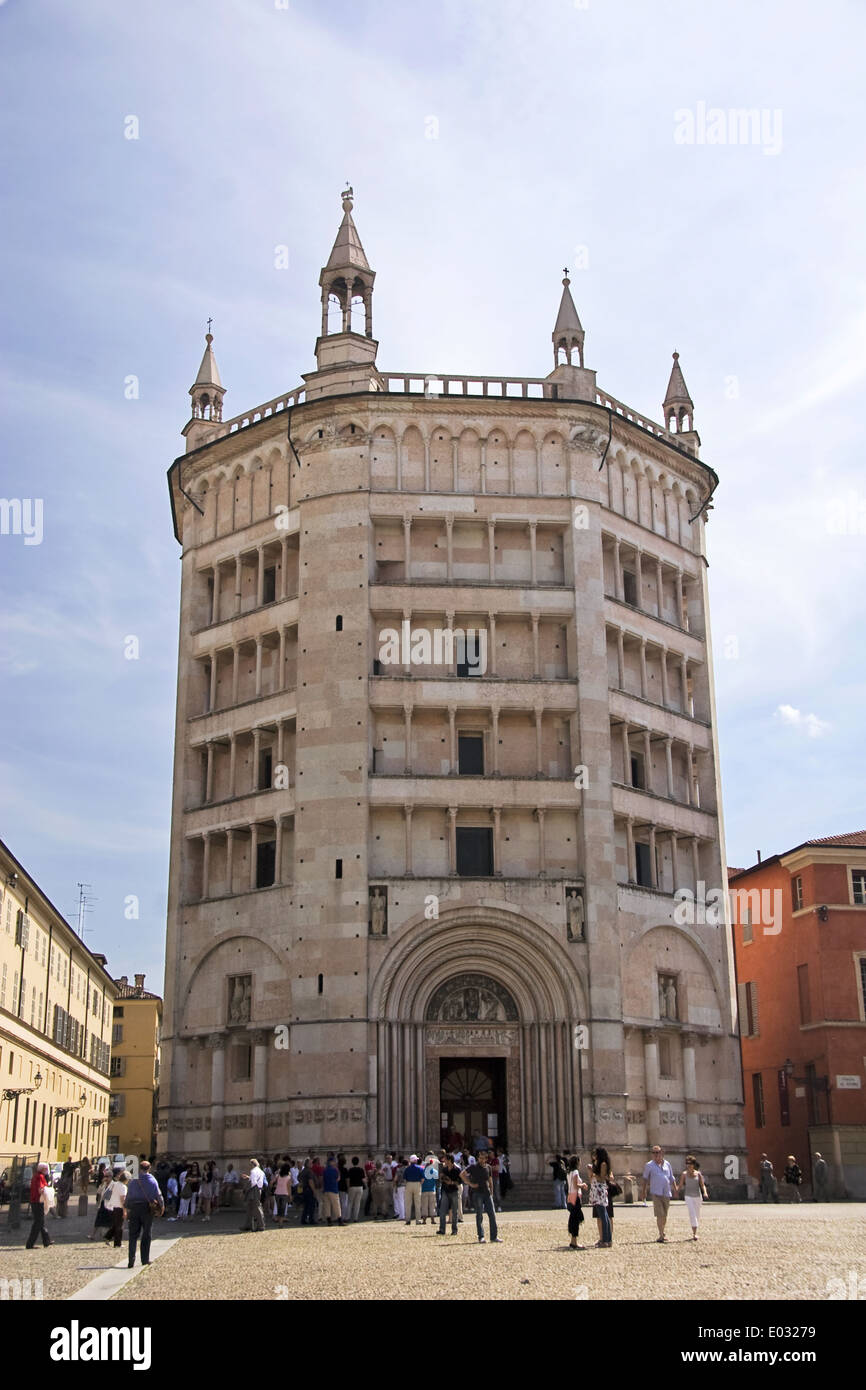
x=505, y=447
x=537, y=711
x=681, y=503
x=535, y=616
x=232, y=741
x=640, y=556
x=538, y=813
x=644, y=680
x=253, y=832
x=674, y=839
x=216, y=616
x=626, y=727
x=235, y=649
x=491, y=548
x=689, y=1041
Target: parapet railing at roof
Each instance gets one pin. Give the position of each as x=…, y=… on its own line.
x=436, y=386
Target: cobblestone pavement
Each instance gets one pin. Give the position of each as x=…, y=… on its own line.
x=70, y=1262
x=749, y=1252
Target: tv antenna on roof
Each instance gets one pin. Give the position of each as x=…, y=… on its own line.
x=85, y=905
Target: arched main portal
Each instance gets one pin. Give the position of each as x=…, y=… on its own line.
x=477, y=1013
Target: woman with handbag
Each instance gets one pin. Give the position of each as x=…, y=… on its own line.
x=573, y=1202
x=600, y=1198
x=102, y=1218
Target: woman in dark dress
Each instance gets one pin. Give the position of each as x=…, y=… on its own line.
x=575, y=1207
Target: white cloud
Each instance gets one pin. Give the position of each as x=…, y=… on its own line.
x=809, y=724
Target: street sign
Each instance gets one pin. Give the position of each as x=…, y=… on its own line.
x=64, y=1147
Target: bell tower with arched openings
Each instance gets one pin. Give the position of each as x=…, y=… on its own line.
x=346, y=357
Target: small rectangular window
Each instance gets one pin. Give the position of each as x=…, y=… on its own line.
x=747, y=926
x=241, y=1062
x=474, y=851
x=470, y=654
x=797, y=893
x=470, y=755
x=265, y=864
x=339, y=626
x=338, y=868
x=269, y=589
x=629, y=587
x=638, y=778
x=642, y=864
x=665, y=1064
x=858, y=884
x=321, y=984
x=266, y=769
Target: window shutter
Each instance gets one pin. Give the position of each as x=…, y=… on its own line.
x=743, y=1011
x=753, y=1009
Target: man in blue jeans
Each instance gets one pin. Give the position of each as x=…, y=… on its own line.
x=139, y=1194
x=478, y=1176
x=449, y=1196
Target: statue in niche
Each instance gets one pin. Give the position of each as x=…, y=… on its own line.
x=240, y=1001
x=575, y=915
x=378, y=912
x=667, y=996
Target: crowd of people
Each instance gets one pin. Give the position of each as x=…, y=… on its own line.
x=438, y=1187
x=343, y=1190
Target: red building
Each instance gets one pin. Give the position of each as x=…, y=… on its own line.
x=799, y=924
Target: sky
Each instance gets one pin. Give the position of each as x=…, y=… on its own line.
x=156, y=159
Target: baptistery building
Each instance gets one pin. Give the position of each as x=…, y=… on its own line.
x=446, y=804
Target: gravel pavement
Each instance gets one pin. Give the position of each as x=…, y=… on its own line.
x=751, y=1252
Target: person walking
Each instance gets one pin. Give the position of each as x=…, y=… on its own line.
x=658, y=1179
x=429, y=1183
x=576, y=1185
x=102, y=1218
x=478, y=1176
x=143, y=1203
x=414, y=1179
x=356, y=1183
x=820, y=1178
x=599, y=1196
x=794, y=1176
x=451, y=1185
x=559, y=1174
x=115, y=1202
x=38, y=1185
x=769, y=1185
x=691, y=1185
x=254, y=1182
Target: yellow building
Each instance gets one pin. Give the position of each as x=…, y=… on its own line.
x=56, y=1001
x=134, y=1068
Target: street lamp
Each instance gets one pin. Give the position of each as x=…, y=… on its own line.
x=12, y=1092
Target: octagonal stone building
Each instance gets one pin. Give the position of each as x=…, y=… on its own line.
x=445, y=752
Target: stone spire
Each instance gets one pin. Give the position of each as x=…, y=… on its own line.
x=570, y=380
x=207, y=391
x=568, y=333
x=678, y=407
x=346, y=356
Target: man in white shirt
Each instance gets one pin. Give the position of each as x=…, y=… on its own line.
x=255, y=1181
